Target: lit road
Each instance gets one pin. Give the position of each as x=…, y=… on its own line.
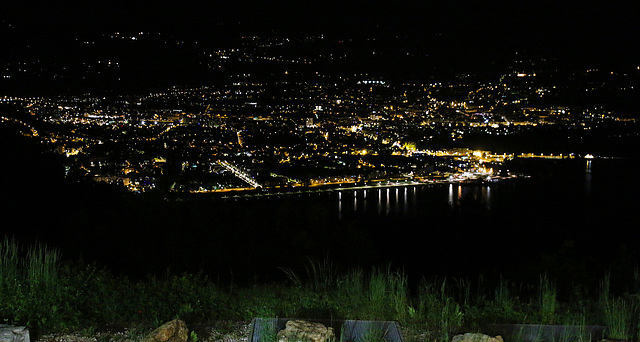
x=34, y=132
x=239, y=173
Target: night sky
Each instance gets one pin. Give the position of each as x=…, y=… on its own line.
x=465, y=36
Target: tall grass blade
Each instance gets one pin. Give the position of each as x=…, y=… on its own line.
x=548, y=303
x=617, y=317
x=9, y=262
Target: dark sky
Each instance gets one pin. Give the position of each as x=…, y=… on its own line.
x=473, y=32
x=605, y=24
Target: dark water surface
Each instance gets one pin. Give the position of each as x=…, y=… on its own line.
x=570, y=220
x=575, y=224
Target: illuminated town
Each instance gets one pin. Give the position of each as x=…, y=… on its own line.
x=307, y=129
x=445, y=165
x=264, y=103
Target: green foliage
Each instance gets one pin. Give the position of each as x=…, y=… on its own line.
x=269, y=331
x=605, y=288
x=582, y=335
x=505, y=307
x=439, y=310
x=321, y=275
x=32, y=292
x=193, y=336
x=618, y=318
x=383, y=294
x=373, y=333
x=463, y=287
x=548, y=303
x=503, y=298
x=10, y=284
x=188, y=297
x=350, y=293
x=273, y=301
x=37, y=290
x=399, y=295
x=9, y=262
x=617, y=312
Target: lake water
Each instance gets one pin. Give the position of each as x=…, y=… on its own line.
x=568, y=220
x=573, y=220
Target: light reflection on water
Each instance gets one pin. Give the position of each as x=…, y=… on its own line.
x=340, y=205
x=414, y=226
x=450, y=194
x=587, y=177
x=417, y=200
x=355, y=201
x=407, y=200
x=388, y=203
x=486, y=195
x=397, y=201
x=365, y=199
x=405, y=207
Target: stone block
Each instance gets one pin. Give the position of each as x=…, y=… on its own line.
x=10, y=333
x=473, y=337
x=173, y=331
x=304, y=331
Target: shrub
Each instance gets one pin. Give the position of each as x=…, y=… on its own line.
x=381, y=295
x=440, y=311
x=618, y=318
x=32, y=292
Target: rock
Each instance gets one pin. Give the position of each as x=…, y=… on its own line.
x=10, y=333
x=173, y=331
x=304, y=331
x=470, y=337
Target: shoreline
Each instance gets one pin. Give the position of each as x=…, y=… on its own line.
x=298, y=190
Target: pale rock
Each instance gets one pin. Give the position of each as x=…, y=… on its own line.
x=10, y=333
x=303, y=331
x=173, y=331
x=471, y=337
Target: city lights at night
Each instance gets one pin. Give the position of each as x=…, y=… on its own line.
x=253, y=142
